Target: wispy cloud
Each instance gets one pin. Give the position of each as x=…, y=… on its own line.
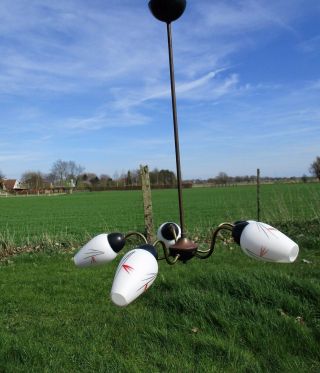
x=105, y=120
x=23, y=156
x=70, y=46
x=314, y=85
x=250, y=15
x=310, y=45
x=205, y=87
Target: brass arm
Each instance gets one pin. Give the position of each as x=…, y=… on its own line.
x=208, y=253
x=138, y=234
x=166, y=253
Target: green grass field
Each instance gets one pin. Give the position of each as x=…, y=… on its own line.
x=75, y=218
x=225, y=314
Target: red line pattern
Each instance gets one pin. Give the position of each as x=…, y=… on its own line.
x=149, y=280
x=263, y=251
x=127, y=268
x=122, y=264
x=266, y=230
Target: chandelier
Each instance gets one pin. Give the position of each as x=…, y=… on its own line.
x=138, y=268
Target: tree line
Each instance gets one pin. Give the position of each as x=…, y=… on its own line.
x=131, y=178
x=69, y=173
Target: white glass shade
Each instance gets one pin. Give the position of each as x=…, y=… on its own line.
x=263, y=242
x=166, y=235
x=97, y=251
x=135, y=274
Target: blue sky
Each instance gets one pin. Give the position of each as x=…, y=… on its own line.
x=88, y=81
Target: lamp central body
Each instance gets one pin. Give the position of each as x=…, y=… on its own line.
x=185, y=248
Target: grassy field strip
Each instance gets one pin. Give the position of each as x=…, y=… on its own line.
x=76, y=217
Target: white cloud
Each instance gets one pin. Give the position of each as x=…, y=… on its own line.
x=70, y=46
x=204, y=88
x=314, y=85
x=310, y=45
x=20, y=156
x=249, y=15
x=105, y=120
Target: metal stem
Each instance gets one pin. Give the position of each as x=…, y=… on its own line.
x=176, y=132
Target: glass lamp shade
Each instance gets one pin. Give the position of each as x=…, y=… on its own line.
x=167, y=10
x=135, y=274
x=165, y=233
x=100, y=250
x=264, y=242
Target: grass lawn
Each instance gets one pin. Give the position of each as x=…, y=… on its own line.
x=75, y=218
x=225, y=314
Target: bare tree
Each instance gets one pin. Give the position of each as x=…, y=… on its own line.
x=123, y=178
x=105, y=177
x=105, y=180
x=116, y=178
x=129, y=178
x=135, y=176
x=59, y=171
x=87, y=176
x=63, y=171
x=222, y=178
x=75, y=170
x=1, y=179
x=315, y=168
x=34, y=179
x=163, y=177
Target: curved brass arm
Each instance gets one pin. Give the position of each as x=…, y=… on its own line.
x=208, y=253
x=166, y=254
x=165, y=250
x=138, y=234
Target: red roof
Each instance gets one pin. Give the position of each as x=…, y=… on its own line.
x=8, y=184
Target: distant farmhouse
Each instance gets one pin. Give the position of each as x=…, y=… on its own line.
x=14, y=186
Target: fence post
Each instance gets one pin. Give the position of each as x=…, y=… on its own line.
x=258, y=194
x=147, y=203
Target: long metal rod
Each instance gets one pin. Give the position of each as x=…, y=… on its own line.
x=175, y=126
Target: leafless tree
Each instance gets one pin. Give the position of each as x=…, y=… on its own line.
x=105, y=180
x=63, y=171
x=315, y=168
x=222, y=178
x=34, y=179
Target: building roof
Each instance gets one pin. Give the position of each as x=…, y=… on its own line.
x=12, y=184
x=8, y=184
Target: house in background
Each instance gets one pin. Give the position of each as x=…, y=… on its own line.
x=64, y=187
x=12, y=185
